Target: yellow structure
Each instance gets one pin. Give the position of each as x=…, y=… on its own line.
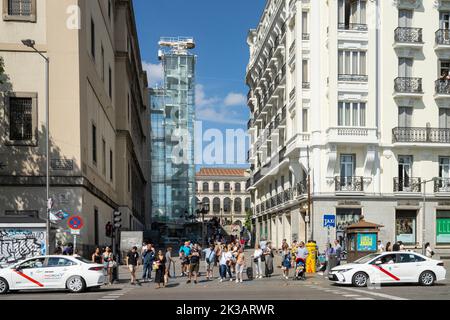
x=311, y=260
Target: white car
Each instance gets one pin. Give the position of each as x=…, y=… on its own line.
x=390, y=267
x=52, y=272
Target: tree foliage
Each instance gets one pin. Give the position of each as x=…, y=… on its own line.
x=2, y=69
x=248, y=220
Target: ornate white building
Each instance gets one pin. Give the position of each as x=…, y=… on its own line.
x=224, y=190
x=350, y=91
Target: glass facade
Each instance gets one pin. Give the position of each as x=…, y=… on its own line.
x=172, y=155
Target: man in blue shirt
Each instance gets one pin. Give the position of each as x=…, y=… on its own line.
x=185, y=251
x=148, y=257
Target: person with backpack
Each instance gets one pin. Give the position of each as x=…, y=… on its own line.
x=210, y=259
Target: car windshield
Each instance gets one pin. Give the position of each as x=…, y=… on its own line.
x=84, y=260
x=366, y=258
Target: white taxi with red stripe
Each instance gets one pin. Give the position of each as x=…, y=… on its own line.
x=52, y=272
x=390, y=267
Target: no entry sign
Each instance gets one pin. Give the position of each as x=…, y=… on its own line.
x=75, y=223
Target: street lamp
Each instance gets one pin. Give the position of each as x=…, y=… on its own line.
x=423, y=212
x=202, y=208
x=31, y=44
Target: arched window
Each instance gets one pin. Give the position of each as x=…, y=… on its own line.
x=227, y=205
x=216, y=187
x=237, y=187
x=237, y=205
x=216, y=205
x=248, y=204
x=205, y=187
x=226, y=187
x=206, y=201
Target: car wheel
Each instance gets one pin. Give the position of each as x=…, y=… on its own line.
x=427, y=278
x=76, y=284
x=360, y=279
x=4, y=287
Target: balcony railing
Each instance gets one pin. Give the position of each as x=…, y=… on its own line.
x=442, y=86
x=306, y=85
x=353, y=77
x=408, y=35
x=443, y=37
x=424, y=135
x=292, y=95
x=292, y=48
x=442, y=185
x=283, y=113
x=407, y=185
x=352, y=26
x=349, y=184
x=408, y=85
x=305, y=36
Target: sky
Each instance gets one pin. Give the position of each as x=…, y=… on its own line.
x=220, y=30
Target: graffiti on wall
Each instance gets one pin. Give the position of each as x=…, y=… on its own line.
x=19, y=244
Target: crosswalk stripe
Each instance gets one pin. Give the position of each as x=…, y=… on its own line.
x=370, y=292
x=351, y=295
x=364, y=298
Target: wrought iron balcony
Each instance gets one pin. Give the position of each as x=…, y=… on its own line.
x=407, y=185
x=424, y=135
x=443, y=37
x=292, y=48
x=408, y=85
x=442, y=86
x=283, y=113
x=349, y=184
x=292, y=95
x=353, y=77
x=408, y=35
x=352, y=26
x=442, y=185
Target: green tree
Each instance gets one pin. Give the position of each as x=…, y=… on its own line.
x=2, y=69
x=248, y=220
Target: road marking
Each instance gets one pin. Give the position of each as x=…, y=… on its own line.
x=351, y=295
x=382, y=295
x=364, y=298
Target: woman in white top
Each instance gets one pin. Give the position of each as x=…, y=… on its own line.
x=224, y=264
x=428, y=251
x=258, y=261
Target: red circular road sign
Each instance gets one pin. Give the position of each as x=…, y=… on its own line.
x=75, y=223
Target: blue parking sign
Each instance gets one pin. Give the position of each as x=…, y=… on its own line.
x=329, y=221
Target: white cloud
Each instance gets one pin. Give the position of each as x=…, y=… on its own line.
x=155, y=73
x=214, y=109
x=200, y=97
x=235, y=99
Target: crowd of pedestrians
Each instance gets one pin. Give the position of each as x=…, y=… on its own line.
x=229, y=259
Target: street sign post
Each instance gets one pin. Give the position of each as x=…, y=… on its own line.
x=75, y=224
x=329, y=221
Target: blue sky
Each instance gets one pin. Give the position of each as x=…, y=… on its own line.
x=220, y=30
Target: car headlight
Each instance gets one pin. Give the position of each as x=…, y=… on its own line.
x=344, y=270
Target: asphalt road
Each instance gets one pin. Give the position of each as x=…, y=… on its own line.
x=316, y=287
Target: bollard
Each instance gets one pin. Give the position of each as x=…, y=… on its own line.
x=311, y=260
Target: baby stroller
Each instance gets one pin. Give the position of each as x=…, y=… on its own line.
x=300, y=266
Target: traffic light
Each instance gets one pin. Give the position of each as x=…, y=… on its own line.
x=109, y=229
x=117, y=219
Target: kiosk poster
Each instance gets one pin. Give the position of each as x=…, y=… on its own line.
x=367, y=242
